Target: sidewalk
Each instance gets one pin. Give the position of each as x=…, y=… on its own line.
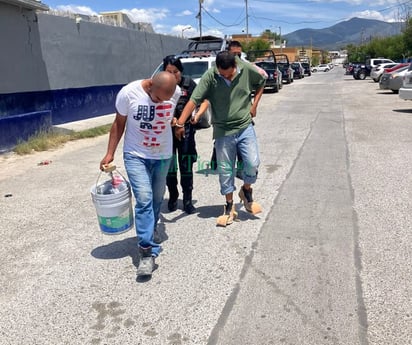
x=87, y=123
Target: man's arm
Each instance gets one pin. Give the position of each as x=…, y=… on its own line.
x=258, y=96
x=202, y=109
x=186, y=113
x=116, y=132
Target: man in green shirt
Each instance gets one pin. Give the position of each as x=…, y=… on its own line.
x=228, y=88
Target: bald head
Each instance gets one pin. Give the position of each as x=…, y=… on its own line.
x=162, y=87
x=165, y=81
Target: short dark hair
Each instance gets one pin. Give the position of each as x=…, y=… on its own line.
x=172, y=60
x=235, y=44
x=225, y=60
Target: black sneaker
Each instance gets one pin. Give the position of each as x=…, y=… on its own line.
x=172, y=205
x=188, y=207
x=173, y=196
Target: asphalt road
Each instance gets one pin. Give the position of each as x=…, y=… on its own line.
x=328, y=261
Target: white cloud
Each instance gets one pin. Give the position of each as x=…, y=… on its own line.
x=369, y=14
x=150, y=15
x=209, y=5
x=185, y=30
x=361, y=2
x=77, y=9
x=184, y=13
x=213, y=32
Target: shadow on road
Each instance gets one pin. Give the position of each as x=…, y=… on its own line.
x=117, y=250
x=405, y=111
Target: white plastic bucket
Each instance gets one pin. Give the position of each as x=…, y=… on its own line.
x=114, y=211
x=108, y=199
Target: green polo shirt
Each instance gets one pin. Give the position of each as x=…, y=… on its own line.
x=230, y=103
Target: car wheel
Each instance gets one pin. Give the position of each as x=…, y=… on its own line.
x=362, y=75
x=375, y=80
x=395, y=91
x=355, y=76
x=314, y=70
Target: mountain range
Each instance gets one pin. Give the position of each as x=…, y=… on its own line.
x=352, y=31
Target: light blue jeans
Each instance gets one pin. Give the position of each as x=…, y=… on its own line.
x=227, y=148
x=147, y=179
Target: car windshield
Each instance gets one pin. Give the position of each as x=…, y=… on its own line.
x=206, y=45
x=195, y=69
x=265, y=65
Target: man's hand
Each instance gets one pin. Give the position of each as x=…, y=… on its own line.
x=253, y=111
x=106, y=161
x=179, y=133
x=194, y=119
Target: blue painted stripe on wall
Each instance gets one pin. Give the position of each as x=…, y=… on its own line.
x=20, y=127
x=66, y=105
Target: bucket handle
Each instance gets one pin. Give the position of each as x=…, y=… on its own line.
x=109, y=168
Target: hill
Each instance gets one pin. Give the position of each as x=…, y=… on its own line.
x=355, y=31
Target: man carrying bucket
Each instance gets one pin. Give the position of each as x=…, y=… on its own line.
x=145, y=109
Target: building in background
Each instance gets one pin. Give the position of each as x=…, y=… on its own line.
x=62, y=67
x=303, y=54
x=118, y=18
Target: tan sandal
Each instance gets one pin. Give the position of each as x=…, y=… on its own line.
x=229, y=215
x=251, y=206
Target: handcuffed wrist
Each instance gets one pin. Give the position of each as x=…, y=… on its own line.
x=179, y=125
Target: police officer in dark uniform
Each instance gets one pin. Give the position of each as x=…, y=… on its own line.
x=184, y=151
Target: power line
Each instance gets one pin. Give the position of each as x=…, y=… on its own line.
x=219, y=22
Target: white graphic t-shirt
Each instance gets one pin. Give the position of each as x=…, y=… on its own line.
x=148, y=131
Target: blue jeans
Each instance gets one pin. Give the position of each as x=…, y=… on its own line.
x=227, y=148
x=147, y=178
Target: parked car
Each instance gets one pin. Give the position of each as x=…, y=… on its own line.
x=274, y=79
x=298, y=70
x=361, y=71
x=285, y=68
x=324, y=67
x=195, y=63
x=193, y=66
x=377, y=61
x=397, y=66
x=394, y=80
x=306, y=68
x=378, y=70
x=405, y=92
x=266, y=60
x=349, y=67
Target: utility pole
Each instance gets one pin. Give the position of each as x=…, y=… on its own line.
x=199, y=16
x=247, y=21
x=280, y=38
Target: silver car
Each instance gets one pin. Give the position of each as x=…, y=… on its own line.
x=377, y=71
x=394, y=80
x=405, y=92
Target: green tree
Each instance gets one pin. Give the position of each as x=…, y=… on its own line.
x=255, y=44
x=315, y=60
x=270, y=35
x=407, y=38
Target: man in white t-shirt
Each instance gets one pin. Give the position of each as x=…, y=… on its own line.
x=145, y=109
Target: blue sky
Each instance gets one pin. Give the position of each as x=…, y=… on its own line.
x=227, y=17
